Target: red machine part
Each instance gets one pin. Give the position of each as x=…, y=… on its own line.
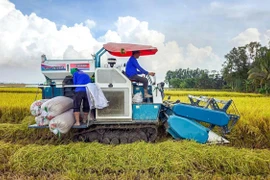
x=125, y=49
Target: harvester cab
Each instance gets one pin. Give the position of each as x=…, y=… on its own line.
x=126, y=120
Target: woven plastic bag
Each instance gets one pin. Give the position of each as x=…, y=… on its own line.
x=56, y=106
x=137, y=98
x=35, y=107
x=62, y=123
x=41, y=121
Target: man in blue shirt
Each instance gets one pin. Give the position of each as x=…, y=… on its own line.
x=80, y=78
x=133, y=69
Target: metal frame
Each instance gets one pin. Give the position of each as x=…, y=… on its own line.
x=213, y=103
x=98, y=55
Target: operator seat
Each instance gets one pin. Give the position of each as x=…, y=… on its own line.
x=136, y=84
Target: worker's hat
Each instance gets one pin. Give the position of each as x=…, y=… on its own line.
x=73, y=70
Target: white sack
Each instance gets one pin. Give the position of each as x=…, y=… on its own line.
x=62, y=123
x=35, y=107
x=137, y=98
x=56, y=106
x=41, y=121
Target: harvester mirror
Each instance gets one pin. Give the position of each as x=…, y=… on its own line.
x=111, y=61
x=43, y=58
x=169, y=97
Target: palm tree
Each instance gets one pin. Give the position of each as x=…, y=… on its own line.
x=260, y=73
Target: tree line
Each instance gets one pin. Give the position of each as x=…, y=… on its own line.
x=246, y=69
x=197, y=78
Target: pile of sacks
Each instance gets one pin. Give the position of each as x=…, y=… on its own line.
x=56, y=112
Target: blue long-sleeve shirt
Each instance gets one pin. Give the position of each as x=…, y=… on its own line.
x=80, y=78
x=133, y=68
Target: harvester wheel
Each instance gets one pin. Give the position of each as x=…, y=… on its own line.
x=113, y=134
x=134, y=139
x=93, y=136
x=152, y=134
x=106, y=141
x=143, y=136
x=115, y=141
x=82, y=138
x=123, y=140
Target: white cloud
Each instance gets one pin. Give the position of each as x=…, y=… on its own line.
x=203, y=58
x=170, y=55
x=266, y=39
x=249, y=35
x=24, y=38
x=131, y=29
x=110, y=36
x=5, y=8
x=71, y=53
x=90, y=23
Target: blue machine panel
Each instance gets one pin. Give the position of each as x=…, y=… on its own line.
x=182, y=128
x=50, y=92
x=218, y=118
x=145, y=111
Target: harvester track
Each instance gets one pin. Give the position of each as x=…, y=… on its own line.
x=118, y=134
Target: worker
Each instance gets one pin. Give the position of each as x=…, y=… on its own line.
x=133, y=69
x=80, y=78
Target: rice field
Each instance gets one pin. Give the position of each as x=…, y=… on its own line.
x=39, y=154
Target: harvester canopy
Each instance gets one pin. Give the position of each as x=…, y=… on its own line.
x=125, y=49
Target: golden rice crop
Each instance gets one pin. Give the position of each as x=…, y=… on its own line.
x=18, y=99
x=211, y=93
x=130, y=175
x=15, y=106
x=170, y=157
x=6, y=150
x=164, y=160
x=39, y=154
x=251, y=131
x=20, y=133
x=19, y=90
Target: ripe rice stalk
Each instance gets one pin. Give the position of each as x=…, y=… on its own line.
x=6, y=150
x=20, y=133
x=14, y=106
x=211, y=93
x=174, y=157
x=19, y=90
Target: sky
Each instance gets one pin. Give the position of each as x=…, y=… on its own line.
x=188, y=33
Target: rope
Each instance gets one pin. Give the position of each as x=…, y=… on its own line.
x=34, y=101
x=36, y=94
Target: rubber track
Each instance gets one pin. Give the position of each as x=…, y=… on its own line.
x=118, y=134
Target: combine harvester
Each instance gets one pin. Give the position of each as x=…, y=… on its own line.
x=124, y=121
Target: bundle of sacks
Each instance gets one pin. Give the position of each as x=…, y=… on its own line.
x=56, y=112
